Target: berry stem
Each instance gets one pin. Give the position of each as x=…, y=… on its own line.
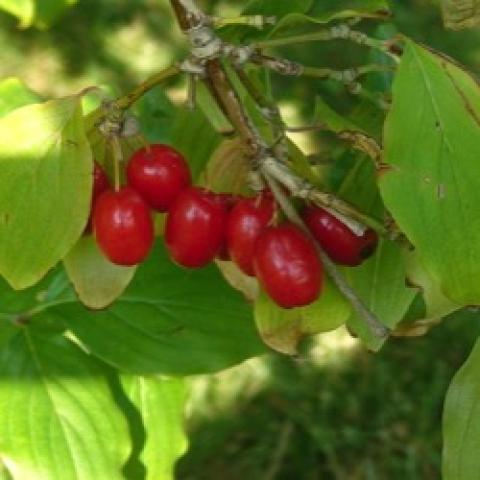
x=129, y=99
x=257, y=21
x=117, y=160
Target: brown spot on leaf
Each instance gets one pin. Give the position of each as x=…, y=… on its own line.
x=382, y=12
x=382, y=169
x=468, y=106
x=5, y=218
x=71, y=143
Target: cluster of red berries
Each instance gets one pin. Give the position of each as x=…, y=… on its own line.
x=202, y=225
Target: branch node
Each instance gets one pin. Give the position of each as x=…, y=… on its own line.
x=116, y=123
x=205, y=43
x=193, y=67
x=240, y=55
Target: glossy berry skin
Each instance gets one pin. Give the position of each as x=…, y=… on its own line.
x=123, y=226
x=228, y=200
x=287, y=266
x=159, y=173
x=101, y=183
x=195, y=228
x=340, y=243
x=246, y=221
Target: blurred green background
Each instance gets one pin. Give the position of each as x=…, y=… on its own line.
x=336, y=411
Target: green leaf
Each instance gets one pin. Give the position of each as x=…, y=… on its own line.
x=332, y=119
x=238, y=280
x=278, y=9
x=362, y=122
x=430, y=306
x=228, y=168
x=45, y=187
x=461, y=422
x=189, y=127
x=431, y=189
x=283, y=329
x=323, y=12
x=59, y=419
x=156, y=114
x=211, y=110
x=160, y=402
x=358, y=184
x=12, y=303
x=7, y=330
x=41, y=13
x=24, y=10
x=437, y=305
x=165, y=310
x=14, y=94
x=329, y=10
x=169, y=320
x=380, y=283
x=47, y=12
x=97, y=281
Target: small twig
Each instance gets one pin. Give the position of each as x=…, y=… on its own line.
x=318, y=36
x=371, y=320
x=279, y=65
x=342, y=31
x=192, y=91
x=289, y=68
x=280, y=450
x=268, y=109
x=230, y=102
x=224, y=92
x=257, y=21
x=117, y=160
x=303, y=189
x=128, y=100
x=270, y=112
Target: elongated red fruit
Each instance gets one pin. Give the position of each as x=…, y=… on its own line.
x=195, y=228
x=101, y=183
x=158, y=173
x=340, y=243
x=287, y=266
x=228, y=200
x=246, y=221
x=123, y=226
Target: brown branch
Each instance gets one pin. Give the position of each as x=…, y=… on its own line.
x=230, y=103
x=187, y=13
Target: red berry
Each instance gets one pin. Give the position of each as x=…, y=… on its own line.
x=195, y=228
x=287, y=266
x=159, y=173
x=246, y=222
x=101, y=183
x=341, y=244
x=228, y=200
x=123, y=226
